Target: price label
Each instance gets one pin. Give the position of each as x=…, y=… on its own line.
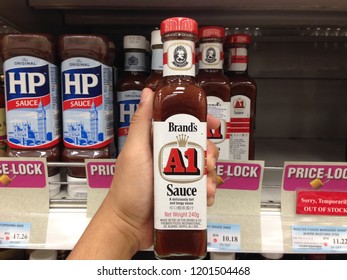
x=319, y=239
x=100, y=173
x=14, y=234
x=245, y=176
x=223, y=237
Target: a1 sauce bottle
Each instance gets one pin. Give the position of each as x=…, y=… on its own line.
x=179, y=148
x=243, y=98
x=216, y=85
x=87, y=100
x=32, y=99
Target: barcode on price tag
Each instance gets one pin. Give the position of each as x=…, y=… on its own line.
x=223, y=237
x=14, y=234
x=323, y=239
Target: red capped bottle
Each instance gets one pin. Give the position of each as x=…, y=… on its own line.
x=86, y=86
x=179, y=148
x=32, y=99
x=243, y=99
x=216, y=85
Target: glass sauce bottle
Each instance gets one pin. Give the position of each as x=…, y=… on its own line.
x=243, y=99
x=216, y=85
x=179, y=147
x=131, y=83
x=155, y=79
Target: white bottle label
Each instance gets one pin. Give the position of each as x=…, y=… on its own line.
x=220, y=110
x=211, y=56
x=87, y=103
x=32, y=108
x=179, y=156
x=238, y=59
x=240, y=126
x=179, y=58
x=135, y=61
x=157, y=59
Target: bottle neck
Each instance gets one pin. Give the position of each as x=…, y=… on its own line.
x=135, y=61
x=238, y=60
x=211, y=56
x=179, y=57
x=211, y=71
x=157, y=59
x=180, y=79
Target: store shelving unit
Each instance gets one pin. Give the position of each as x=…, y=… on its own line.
x=298, y=58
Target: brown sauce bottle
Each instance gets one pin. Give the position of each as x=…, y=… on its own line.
x=243, y=99
x=130, y=84
x=30, y=72
x=86, y=86
x=155, y=79
x=180, y=112
x=3, y=144
x=216, y=85
x=112, y=57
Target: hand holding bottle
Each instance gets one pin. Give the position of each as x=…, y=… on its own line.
x=124, y=222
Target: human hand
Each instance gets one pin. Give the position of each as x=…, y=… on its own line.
x=132, y=189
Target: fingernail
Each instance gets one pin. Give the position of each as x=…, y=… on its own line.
x=144, y=95
x=210, y=201
x=220, y=181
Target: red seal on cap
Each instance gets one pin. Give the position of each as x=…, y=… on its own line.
x=179, y=24
x=239, y=39
x=211, y=32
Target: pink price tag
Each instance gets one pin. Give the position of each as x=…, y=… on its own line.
x=239, y=176
x=311, y=176
x=22, y=174
x=100, y=174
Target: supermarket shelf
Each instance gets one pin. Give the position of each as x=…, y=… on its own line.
x=267, y=232
x=309, y=32
x=116, y=18
x=65, y=226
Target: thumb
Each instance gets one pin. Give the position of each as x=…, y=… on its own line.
x=141, y=121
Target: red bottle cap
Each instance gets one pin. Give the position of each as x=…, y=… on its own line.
x=211, y=32
x=239, y=39
x=179, y=24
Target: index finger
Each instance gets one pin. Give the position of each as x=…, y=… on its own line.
x=212, y=122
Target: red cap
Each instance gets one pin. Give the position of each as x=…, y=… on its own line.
x=179, y=24
x=239, y=39
x=211, y=32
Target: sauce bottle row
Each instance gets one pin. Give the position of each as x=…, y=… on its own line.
x=222, y=64
x=59, y=101
x=63, y=101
